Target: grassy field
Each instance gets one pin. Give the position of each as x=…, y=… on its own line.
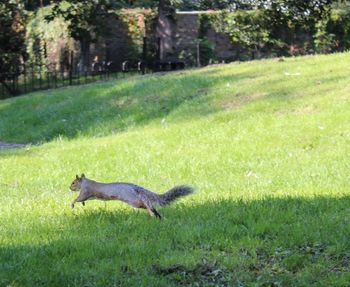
x=266, y=143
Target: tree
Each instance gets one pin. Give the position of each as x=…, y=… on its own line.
x=333, y=31
x=32, y=5
x=306, y=13
x=249, y=30
x=290, y=19
x=12, y=45
x=86, y=21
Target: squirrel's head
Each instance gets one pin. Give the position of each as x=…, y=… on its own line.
x=76, y=184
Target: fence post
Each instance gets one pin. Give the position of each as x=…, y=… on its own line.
x=40, y=78
x=25, y=78
x=32, y=77
x=13, y=83
x=62, y=75
x=77, y=74
x=198, y=55
x=55, y=75
x=48, y=73
x=71, y=69
x=159, y=48
x=17, y=85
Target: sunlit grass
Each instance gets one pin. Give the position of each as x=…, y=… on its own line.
x=266, y=144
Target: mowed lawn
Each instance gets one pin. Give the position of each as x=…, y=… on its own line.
x=266, y=143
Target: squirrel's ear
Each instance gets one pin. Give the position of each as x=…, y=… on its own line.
x=83, y=175
x=77, y=177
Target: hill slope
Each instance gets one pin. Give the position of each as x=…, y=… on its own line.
x=105, y=108
x=266, y=143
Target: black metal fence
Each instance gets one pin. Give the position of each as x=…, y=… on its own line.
x=32, y=78
x=36, y=77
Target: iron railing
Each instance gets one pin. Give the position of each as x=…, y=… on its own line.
x=30, y=78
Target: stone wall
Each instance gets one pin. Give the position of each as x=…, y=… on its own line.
x=186, y=35
x=124, y=38
x=179, y=33
x=182, y=33
x=116, y=46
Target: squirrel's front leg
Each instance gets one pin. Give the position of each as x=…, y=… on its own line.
x=81, y=198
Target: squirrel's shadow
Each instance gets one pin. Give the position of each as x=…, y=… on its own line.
x=92, y=242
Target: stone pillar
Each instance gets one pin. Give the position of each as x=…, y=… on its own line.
x=164, y=31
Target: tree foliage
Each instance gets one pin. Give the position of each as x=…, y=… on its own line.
x=86, y=21
x=12, y=35
x=278, y=24
x=333, y=31
x=32, y=5
x=248, y=29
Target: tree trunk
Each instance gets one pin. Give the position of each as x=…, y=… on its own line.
x=164, y=6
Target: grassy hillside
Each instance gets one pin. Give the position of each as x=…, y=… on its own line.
x=266, y=143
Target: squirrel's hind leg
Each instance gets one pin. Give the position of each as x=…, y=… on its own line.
x=153, y=212
x=156, y=213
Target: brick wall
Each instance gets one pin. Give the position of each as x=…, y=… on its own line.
x=183, y=32
x=179, y=34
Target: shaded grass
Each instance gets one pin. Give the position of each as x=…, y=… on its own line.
x=252, y=244
x=268, y=153
x=108, y=108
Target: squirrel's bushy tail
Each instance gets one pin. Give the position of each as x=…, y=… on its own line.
x=175, y=193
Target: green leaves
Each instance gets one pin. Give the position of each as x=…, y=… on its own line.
x=12, y=32
x=248, y=29
x=86, y=18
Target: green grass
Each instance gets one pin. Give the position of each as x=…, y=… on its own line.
x=266, y=143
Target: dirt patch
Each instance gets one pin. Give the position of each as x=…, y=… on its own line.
x=300, y=111
x=202, y=274
x=308, y=110
x=241, y=99
x=4, y=145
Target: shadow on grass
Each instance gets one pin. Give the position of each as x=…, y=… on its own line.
x=270, y=242
x=111, y=107
x=106, y=108
x=103, y=108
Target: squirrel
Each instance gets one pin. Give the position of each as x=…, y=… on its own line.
x=134, y=195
